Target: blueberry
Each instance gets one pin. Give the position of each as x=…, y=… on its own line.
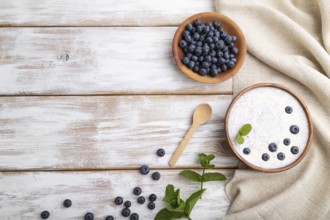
x=183, y=43
x=208, y=58
x=210, y=34
x=228, y=39
x=221, y=61
x=214, y=60
x=288, y=109
x=265, y=157
x=151, y=206
x=223, y=67
x=225, y=49
x=223, y=35
x=231, y=56
x=209, y=40
x=191, y=48
x=201, y=38
x=201, y=59
x=67, y=203
x=155, y=176
x=272, y=147
x=286, y=141
x=226, y=56
x=233, y=38
x=152, y=197
x=198, y=51
x=134, y=216
x=191, y=64
x=209, y=24
x=217, y=24
x=44, y=214
x=206, y=29
x=189, y=27
x=194, y=58
x=280, y=156
x=196, y=36
x=233, y=60
x=193, y=30
x=161, y=151
x=246, y=151
x=119, y=200
x=196, y=69
x=199, y=28
x=127, y=204
x=185, y=60
x=144, y=170
x=220, y=44
x=189, y=55
x=294, y=150
x=205, y=64
x=215, y=39
x=186, y=33
x=185, y=50
x=109, y=217
x=219, y=54
x=294, y=129
x=126, y=212
x=214, y=72
x=197, y=22
x=141, y=200
x=199, y=43
x=188, y=38
x=202, y=71
x=205, y=49
x=89, y=216
x=234, y=50
x=230, y=64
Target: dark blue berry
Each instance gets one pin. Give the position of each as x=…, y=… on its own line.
x=219, y=54
x=226, y=56
x=199, y=29
x=197, y=22
x=161, y=151
x=151, y=206
x=220, y=44
x=294, y=150
x=223, y=67
x=286, y=141
x=233, y=60
x=294, y=129
x=231, y=56
x=233, y=38
x=183, y=44
x=223, y=35
x=209, y=40
x=185, y=50
x=67, y=203
x=137, y=191
x=196, y=36
x=119, y=200
x=198, y=51
x=89, y=216
x=189, y=27
x=234, y=50
x=156, y=176
x=144, y=170
x=152, y=197
x=44, y=214
x=208, y=58
x=288, y=109
x=185, y=60
x=209, y=24
x=201, y=59
x=206, y=29
x=188, y=38
x=225, y=49
x=246, y=151
x=193, y=30
x=191, y=64
x=205, y=49
x=210, y=34
x=217, y=24
x=213, y=53
x=214, y=60
x=194, y=58
x=214, y=72
x=199, y=43
x=127, y=204
x=202, y=71
x=126, y=212
x=205, y=64
x=230, y=64
x=196, y=69
x=134, y=216
x=265, y=157
x=191, y=48
x=228, y=39
x=109, y=217
x=280, y=156
x=272, y=147
x=141, y=200
x=215, y=39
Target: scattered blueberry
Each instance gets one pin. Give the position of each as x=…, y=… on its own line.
x=294, y=150
x=156, y=176
x=141, y=200
x=126, y=212
x=89, y=216
x=137, y=191
x=151, y=206
x=286, y=141
x=288, y=109
x=294, y=129
x=272, y=147
x=152, y=197
x=44, y=214
x=265, y=157
x=67, y=203
x=119, y=200
x=246, y=151
x=127, y=204
x=109, y=217
x=134, y=216
x=144, y=170
x=280, y=156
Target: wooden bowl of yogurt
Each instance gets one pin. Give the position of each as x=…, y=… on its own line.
x=282, y=128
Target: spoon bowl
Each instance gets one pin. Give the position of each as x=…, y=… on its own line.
x=202, y=114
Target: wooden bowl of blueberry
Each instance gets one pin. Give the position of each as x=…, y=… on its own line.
x=209, y=47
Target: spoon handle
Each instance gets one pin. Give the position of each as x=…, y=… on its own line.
x=182, y=145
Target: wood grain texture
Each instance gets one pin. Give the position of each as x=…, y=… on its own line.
x=99, y=12
x=26, y=195
x=52, y=61
x=92, y=132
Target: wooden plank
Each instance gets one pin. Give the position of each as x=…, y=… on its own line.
x=99, y=12
x=92, y=132
x=52, y=61
x=26, y=195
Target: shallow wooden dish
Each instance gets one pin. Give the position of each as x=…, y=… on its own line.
x=310, y=127
x=230, y=27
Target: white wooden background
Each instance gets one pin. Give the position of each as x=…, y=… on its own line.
x=88, y=93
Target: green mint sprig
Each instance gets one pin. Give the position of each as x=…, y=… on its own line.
x=178, y=208
x=245, y=130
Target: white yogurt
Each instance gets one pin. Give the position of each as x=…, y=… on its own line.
x=264, y=109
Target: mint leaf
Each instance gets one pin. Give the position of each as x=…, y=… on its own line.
x=210, y=157
x=178, y=200
x=192, y=200
x=165, y=214
x=192, y=175
x=245, y=129
x=177, y=209
x=169, y=194
x=205, y=160
x=213, y=177
x=239, y=139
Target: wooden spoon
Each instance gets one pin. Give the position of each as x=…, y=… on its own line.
x=201, y=115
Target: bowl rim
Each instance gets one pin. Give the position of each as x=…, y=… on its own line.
x=207, y=79
x=310, y=126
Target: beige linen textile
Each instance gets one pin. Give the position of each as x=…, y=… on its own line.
x=288, y=43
